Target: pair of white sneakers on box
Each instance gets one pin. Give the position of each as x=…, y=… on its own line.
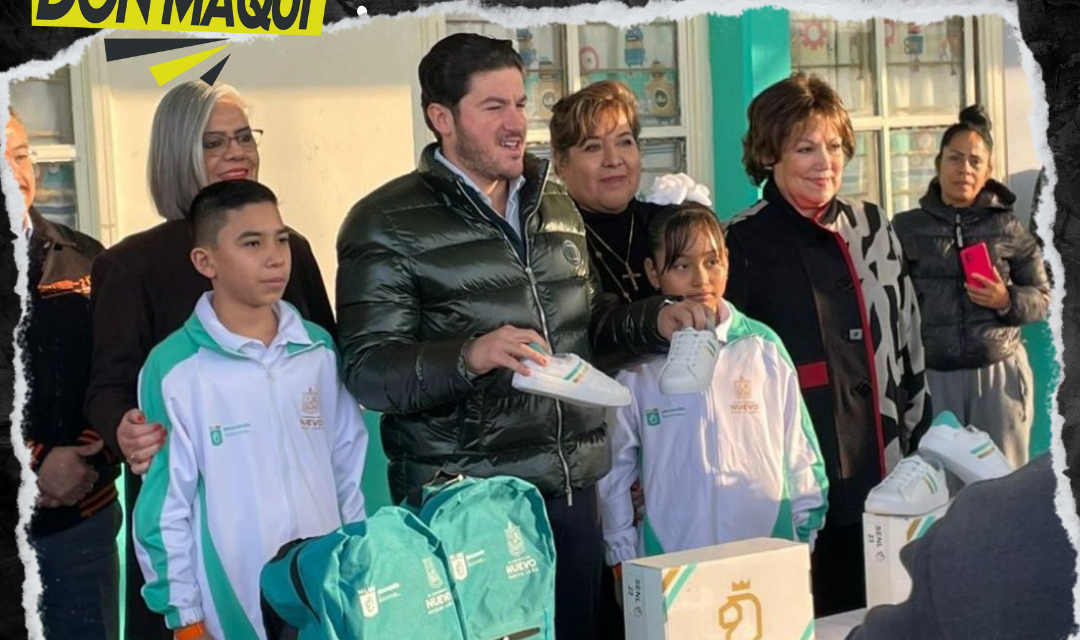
x=918, y=485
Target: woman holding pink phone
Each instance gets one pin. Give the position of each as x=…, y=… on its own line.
x=979, y=276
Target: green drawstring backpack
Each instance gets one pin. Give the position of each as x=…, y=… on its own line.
x=501, y=553
x=373, y=580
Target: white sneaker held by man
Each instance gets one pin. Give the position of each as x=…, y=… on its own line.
x=568, y=377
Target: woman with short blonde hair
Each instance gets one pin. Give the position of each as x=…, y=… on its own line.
x=594, y=141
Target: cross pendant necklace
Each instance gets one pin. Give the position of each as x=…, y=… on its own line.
x=629, y=273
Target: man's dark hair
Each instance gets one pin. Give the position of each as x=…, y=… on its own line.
x=446, y=70
x=209, y=211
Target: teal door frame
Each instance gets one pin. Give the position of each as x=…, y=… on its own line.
x=744, y=59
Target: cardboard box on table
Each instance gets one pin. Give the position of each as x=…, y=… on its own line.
x=749, y=590
x=887, y=581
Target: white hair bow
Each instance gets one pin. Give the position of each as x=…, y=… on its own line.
x=676, y=188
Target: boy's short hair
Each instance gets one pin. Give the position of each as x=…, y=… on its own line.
x=209, y=211
x=672, y=231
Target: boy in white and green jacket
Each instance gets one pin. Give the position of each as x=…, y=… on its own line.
x=738, y=460
x=264, y=444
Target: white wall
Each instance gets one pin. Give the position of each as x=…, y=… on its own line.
x=332, y=134
x=1023, y=166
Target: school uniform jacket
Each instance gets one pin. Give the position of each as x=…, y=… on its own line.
x=264, y=446
x=737, y=461
x=838, y=293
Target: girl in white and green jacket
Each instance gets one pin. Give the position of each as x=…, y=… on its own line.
x=738, y=460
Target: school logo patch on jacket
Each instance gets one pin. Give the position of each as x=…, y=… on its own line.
x=310, y=416
x=744, y=397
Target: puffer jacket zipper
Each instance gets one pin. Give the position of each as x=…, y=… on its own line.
x=526, y=265
x=960, y=282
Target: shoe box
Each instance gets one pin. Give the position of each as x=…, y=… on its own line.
x=887, y=581
x=752, y=589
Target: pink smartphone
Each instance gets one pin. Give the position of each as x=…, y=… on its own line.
x=976, y=259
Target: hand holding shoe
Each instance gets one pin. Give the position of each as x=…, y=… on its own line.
x=504, y=348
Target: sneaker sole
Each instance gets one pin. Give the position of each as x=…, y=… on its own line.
x=879, y=511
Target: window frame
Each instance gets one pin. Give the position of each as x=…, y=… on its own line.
x=695, y=121
x=983, y=82
x=80, y=152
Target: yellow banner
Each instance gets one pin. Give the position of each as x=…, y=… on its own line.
x=293, y=17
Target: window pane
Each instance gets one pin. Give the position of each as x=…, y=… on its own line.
x=45, y=108
x=645, y=58
x=541, y=48
x=661, y=156
x=842, y=53
x=862, y=175
x=56, y=197
x=912, y=153
x=925, y=67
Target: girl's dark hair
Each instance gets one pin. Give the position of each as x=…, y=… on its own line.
x=673, y=230
x=972, y=118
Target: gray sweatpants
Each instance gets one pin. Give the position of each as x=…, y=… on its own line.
x=996, y=399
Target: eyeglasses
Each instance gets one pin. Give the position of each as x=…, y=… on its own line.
x=23, y=158
x=215, y=144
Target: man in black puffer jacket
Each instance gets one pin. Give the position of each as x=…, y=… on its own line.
x=447, y=273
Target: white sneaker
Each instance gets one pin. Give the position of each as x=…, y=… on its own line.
x=690, y=362
x=915, y=487
x=568, y=377
x=966, y=451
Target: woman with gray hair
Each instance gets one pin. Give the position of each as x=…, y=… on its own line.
x=145, y=287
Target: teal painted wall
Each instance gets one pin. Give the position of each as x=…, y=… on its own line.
x=1044, y=365
x=744, y=59
x=375, y=486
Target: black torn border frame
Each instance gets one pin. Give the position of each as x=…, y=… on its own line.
x=1050, y=28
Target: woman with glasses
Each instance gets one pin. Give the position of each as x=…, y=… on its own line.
x=145, y=287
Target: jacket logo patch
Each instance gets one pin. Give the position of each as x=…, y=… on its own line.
x=218, y=433
x=744, y=402
x=571, y=252
x=310, y=416
x=652, y=417
x=60, y=287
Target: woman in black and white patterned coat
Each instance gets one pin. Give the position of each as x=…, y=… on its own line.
x=829, y=277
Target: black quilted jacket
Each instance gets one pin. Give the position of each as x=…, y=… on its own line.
x=957, y=333
x=423, y=266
